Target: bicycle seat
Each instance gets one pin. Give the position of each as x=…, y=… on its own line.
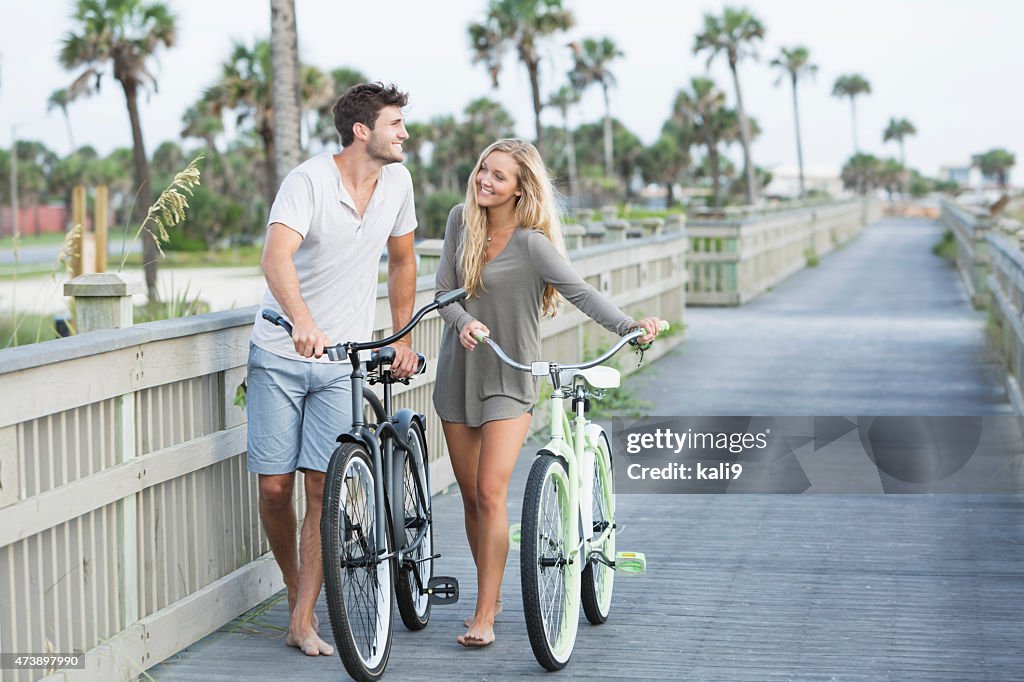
x=597, y=377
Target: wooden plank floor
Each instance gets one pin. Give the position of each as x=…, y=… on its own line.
x=755, y=587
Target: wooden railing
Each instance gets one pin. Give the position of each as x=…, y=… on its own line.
x=128, y=522
x=1004, y=285
x=970, y=226
x=734, y=259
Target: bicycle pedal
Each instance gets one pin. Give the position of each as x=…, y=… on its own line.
x=443, y=590
x=630, y=563
x=515, y=533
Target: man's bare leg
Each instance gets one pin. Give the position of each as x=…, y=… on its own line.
x=302, y=629
x=278, y=516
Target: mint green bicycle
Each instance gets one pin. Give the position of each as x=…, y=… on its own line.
x=570, y=488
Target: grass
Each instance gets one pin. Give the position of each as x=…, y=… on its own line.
x=243, y=256
x=812, y=258
x=31, y=328
x=50, y=238
x=946, y=248
x=254, y=622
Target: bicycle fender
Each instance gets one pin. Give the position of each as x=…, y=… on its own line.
x=404, y=418
x=360, y=439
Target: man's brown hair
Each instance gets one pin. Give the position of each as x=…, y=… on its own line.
x=361, y=104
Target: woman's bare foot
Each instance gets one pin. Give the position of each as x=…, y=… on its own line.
x=476, y=637
x=308, y=642
x=468, y=622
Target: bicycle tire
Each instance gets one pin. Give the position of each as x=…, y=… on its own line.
x=598, y=578
x=358, y=596
x=550, y=584
x=413, y=606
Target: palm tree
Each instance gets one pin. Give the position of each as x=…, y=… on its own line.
x=563, y=99
x=795, y=63
x=125, y=34
x=995, y=163
x=341, y=79
x=199, y=121
x=245, y=86
x=862, y=172
x=591, y=59
x=521, y=24
x=852, y=86
x=703, y=109
x=665, y=160
x=284, y=91
x=61, y=98
x=734, y=34
x=899, y=129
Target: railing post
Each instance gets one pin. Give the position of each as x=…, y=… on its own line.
x=104, y=301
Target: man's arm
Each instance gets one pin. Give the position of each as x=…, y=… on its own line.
x=279, y=270
x=402, y=298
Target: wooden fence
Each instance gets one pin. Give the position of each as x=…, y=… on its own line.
x=128, y=522
x=735, y=258
x=970, y=226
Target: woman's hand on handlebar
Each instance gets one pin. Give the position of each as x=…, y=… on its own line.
x=466, y=336
x=651, y=325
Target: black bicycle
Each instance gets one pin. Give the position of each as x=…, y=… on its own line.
x=376, y=529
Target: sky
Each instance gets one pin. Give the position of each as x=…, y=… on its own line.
x=951, y=67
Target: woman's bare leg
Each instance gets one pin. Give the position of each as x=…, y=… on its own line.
x=500, y=443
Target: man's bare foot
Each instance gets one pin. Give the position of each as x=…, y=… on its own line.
x=291, y=609
x=309, y=643
x=476, y=637
x=468, y=622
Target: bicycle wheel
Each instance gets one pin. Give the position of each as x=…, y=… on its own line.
x=598, y=577
x=358, y=582
x=417, y=568
x=550, y=582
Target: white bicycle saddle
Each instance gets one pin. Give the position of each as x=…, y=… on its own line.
x=597, y=377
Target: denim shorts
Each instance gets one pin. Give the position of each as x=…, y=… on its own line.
x=296, y=411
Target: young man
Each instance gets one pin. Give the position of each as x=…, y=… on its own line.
x=329, y=224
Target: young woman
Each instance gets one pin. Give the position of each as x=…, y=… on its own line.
x=504, y=245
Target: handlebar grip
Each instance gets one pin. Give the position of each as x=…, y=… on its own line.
x=664, y=326
x=479, y=336
x=275, y=318
x=452, y=296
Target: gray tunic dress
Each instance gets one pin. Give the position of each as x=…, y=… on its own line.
x=473, y=387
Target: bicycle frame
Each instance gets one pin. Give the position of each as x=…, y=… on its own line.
x=390, y=433
x=576, y=442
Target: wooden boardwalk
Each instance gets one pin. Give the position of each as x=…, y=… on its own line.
x=760, y=587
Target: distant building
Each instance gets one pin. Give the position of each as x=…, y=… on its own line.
x=965, y=176
x=786, y=181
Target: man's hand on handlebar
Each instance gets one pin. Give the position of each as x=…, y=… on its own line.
x=308, y=339
x=406, y=362
x=467, y=337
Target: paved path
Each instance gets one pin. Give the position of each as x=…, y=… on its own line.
x=759, y=587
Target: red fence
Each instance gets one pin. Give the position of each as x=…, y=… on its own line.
x=33, y=219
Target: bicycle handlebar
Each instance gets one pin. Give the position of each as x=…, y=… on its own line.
x=340, y=349
x=628, y=338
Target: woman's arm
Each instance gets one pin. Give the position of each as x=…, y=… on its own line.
x=447, y=278
x=556, y=270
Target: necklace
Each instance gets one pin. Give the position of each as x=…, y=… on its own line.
x=501, y=229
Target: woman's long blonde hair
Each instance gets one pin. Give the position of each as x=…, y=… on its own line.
x=536, y=208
